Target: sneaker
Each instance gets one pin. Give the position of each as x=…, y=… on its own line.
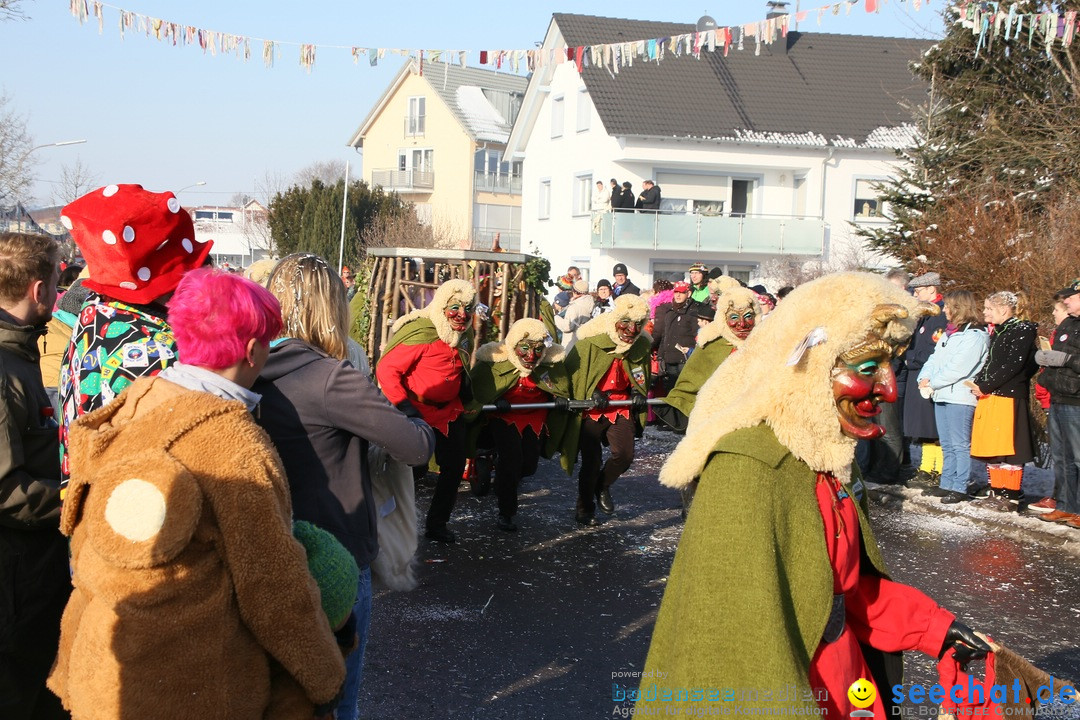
x=978, y=491
x=951, y=497
x=1074, y=522
x=997, y=503
x=1047, y=504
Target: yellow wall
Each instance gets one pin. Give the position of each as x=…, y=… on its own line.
x=451, y=200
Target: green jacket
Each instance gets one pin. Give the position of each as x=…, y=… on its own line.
x=699, y=368
x=491, y=380
x=547, y=316
x=751, y=586
x=586, y=363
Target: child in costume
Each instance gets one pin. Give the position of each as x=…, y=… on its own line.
x=424, y=369
x=192, y=597
x=791, y=590
x=610, y=361
x=524, y=368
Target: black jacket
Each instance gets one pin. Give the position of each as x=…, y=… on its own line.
x=649, y=199
x=29, y=444
x=626, y=201
x=1064, y=382
x=675, y=325
x=628, y=288
x=321, y=413
x=1011, y=360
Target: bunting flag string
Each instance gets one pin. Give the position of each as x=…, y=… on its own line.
x=993, y=20
x=610, y=56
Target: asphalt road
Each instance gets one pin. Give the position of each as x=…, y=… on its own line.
x=541, y=623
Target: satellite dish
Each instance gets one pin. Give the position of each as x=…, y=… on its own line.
x=705, y=23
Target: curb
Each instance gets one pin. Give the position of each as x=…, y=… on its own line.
x=1019, y=527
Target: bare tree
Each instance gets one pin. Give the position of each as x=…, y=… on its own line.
x=75, y=181
x=240, y=199
x=10, y=10
x=16, y=165
x=327, y=172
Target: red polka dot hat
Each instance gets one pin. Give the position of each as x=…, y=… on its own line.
x=137, y=243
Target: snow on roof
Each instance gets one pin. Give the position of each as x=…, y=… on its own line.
x=885, y=137
x=484, y=120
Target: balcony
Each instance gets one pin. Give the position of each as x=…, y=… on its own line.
x=404, y=181
x=497, y=183
x=759, y=234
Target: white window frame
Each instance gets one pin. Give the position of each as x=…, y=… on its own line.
x=558, y=116
x=543, y=210
x=416, y=117
x=427, y=159
x=882, y=213
x=581, y=198
x=584, y=110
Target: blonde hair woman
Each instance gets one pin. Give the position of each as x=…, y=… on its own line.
x=1001, y=433
x=321, y=412
x=957, y=357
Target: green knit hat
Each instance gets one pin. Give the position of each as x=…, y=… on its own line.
x=334, y=570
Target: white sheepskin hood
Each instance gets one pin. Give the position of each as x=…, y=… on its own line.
x=462, y=290
x=731, y=298
x=758, y=385
x=627, y=307
x=524, y=329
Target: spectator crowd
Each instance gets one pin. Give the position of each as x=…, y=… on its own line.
x=150, y=578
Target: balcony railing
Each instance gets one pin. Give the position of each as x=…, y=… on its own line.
x=404, y=180
x=763, y=234
x=497, y=183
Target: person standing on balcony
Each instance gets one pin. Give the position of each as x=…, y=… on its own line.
x=601, y=203
x=622, y=285
x=649, y=199
x=626, y=199
x=699, y=283
x=616, y=195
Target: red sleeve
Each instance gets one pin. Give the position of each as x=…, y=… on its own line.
x=1042, y=395
x=392, y=369
x=893, y=617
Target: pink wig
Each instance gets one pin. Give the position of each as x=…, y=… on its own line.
x=214, y=314
x=658, y=299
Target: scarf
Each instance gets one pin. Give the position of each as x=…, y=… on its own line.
x=202, y=380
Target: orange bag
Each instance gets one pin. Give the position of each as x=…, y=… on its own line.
x=992, y=428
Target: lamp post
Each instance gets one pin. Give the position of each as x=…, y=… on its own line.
x=22, y=161
x=188, y=187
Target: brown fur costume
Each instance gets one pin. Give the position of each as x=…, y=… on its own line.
x=190, y=590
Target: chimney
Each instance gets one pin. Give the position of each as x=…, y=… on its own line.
x=776, y=8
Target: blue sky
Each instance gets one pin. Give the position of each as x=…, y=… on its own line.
x=167, y=117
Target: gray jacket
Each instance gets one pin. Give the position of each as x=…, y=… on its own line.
x=577, y=313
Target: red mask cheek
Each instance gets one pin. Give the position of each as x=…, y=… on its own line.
x=854, y=386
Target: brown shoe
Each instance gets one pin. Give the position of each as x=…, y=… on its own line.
x=1047, y=504
x=1074, y=522
x=1057, y=516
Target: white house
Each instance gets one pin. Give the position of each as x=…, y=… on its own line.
x=241, y=235
x=758, y=157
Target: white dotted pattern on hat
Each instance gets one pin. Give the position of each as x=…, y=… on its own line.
x=136, y=510
x=187, y=245
x=109, y=237
x=66, y=222
x=110, y=190
x=127, y=285
x=173, y=204
x=144, y=273
x=129, y=234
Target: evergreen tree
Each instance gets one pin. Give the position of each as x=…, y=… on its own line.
x=308, y=219
x=999, y=123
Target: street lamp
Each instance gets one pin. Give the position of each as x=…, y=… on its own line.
x=22, y=161
x=188, y=187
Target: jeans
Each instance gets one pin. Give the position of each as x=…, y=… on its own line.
x=349, y=707
x=1065, y=450
x=954, y=431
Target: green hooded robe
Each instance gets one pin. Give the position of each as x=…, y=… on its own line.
x=751, y=586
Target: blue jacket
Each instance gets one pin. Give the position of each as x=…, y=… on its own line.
x=956, y=358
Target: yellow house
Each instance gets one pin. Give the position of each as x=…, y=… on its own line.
x=438, y=139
